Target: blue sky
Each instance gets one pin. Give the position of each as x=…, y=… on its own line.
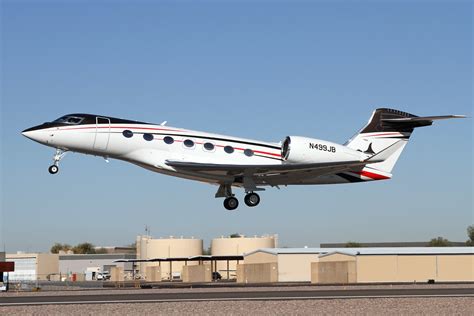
x=261, y=70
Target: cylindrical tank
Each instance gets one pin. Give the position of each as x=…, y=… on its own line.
x=232, y=246
x=149, y=248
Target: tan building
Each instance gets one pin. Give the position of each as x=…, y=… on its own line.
x=150, y=248
x=237, y=246
x=438, y=264
x=364, y=265
x=33, y=266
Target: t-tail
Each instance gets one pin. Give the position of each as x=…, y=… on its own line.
x=387, y=130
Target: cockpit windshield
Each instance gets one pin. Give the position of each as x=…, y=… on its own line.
x=68, y=119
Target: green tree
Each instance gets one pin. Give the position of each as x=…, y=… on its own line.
x=470, y=234
x=235, y=235
x=58, y=247
x=439, y=242
x=84, y=248
x=101, y=250
x=353, y=244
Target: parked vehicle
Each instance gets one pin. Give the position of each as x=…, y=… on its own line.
x=216, y=276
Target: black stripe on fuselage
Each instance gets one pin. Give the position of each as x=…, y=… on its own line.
x=349, y=178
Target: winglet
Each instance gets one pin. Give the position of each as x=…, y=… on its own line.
x=386, y=153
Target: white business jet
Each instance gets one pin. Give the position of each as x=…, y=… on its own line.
x=236, y=162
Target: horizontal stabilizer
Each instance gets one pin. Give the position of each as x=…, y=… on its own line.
x=387, y=152
x=402, y=123
x=422, y=118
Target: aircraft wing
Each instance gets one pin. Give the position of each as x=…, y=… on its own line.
x=263, y=169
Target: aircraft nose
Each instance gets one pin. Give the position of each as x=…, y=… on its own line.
x=34, y=128
x=35, y=133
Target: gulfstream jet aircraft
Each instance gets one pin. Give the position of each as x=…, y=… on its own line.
x=236, y=162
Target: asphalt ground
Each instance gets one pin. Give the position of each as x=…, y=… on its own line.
x=231, y=295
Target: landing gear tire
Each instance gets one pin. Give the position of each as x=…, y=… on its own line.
x=53, y=169
x=231, y=203
x=252, y=199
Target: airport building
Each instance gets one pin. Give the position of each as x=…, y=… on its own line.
x=33, y=266
x=171, y=247
x=76, y=267
x=237, y=246
x=358, y=265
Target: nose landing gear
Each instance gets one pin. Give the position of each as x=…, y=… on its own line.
x=57, y=157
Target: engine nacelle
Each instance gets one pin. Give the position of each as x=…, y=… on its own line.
x=296, y=149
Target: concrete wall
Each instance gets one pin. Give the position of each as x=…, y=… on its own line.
x=295, y=267
x=116, y=274
x=153, y=274
x=416, y=268
x=47, y=264
x=455, y=268
x=340, y=272
x=377, y=268
x=199, y=273
x=257, y=273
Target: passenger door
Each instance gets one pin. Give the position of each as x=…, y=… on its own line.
x=102, y=133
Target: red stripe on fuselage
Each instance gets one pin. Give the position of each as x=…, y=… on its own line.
x=374, y=176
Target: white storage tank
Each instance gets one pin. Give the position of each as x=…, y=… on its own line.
x=238, y=245
x=170, y=247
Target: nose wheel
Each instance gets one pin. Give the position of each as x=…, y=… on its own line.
x=57, y=157
x=252, y=199
x=53, y=169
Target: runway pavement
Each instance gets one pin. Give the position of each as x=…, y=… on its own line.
x=289, y=294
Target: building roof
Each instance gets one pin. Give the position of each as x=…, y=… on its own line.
x=368, y=251
x=192, y=258
x=101, y=256
x=390, y=244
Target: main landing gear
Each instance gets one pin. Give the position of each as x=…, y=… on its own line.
x=57, y=157
x=231, y=203
x=251, y=199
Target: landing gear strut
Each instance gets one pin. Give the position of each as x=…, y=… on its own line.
x=252, y=199
x=57, y=157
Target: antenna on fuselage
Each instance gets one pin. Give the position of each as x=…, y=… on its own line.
x=163, y=123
